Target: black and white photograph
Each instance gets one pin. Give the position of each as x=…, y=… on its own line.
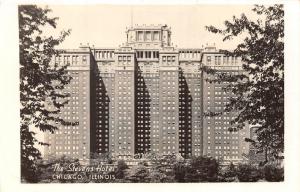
x=153, y=93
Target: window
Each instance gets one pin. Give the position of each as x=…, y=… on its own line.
x=147, y=54
x=226, y=60
x=84, y=59
x=73, y=59
x=169, y=59
x=148, y=36
x=156, y=35
x=155, y=54
x=208, y=60
x=140, y=35
x=217, y=60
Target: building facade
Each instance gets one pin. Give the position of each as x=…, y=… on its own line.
x=147, y=96
x=255, y=158
x=74, y=140
x=220, y=138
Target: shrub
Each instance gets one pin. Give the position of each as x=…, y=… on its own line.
x=138, y=174
x=120, y=171
x=202, y=169
x=46, y=169
x=227, y=174
x=273, y=173
x=179, y=172
x=248, y=173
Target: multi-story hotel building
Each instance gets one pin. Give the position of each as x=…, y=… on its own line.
x=74, y=140
x=146, y=96
x=220, y=138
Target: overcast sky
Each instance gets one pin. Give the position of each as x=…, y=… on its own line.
x=105, y=25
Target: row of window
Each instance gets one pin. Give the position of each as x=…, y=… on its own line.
x=219, y=58
x=71, y=59
x=190, y=54
x=217, y=92
x=147, y=54
x=147, y=35
x=104, y=54
x=168, y=59
x=216, y=108
x=124, y=58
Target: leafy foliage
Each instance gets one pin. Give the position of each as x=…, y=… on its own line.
x=227, y=174
x=273, y=173
x=40, y=83
x=45, y=169
x=101, y=158
x=248, y=173
x=120, y=171
x=197, y=169
x=259, y=90
x=180, y=171
x=138, y=174
x=202, y=169
x=163, y=168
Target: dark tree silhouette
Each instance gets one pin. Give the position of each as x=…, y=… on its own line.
x=259, y=90
x=40, y=83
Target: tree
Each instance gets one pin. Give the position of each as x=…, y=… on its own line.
x=163, y=168
x=180, y=171
x=45, y=170
x=138, y=174
x=202, y=169
x=97, y=158
x=273, y=173
x=40, y=83
x=259, y=90
x=231, y=171
x=228, y=173
x=120, y=171
x=248, y=173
